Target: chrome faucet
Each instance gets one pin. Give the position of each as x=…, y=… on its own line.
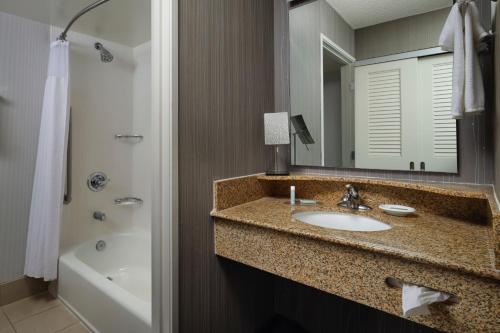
x=352, y=199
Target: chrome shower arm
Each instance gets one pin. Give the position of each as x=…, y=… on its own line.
x=93, y=5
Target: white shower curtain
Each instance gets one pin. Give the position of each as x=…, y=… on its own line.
x=42, y=250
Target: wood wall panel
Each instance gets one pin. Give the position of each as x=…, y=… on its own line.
x=225, y=86
x=496, y=128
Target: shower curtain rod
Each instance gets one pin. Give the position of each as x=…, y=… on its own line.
x=475, y=0
x=93, y=5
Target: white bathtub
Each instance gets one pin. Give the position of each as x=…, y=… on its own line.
x=111, y=289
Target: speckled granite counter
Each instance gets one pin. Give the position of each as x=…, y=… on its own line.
x=449, y=244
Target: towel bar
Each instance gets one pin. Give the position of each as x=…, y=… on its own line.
x=129, y=136
x=128, y=201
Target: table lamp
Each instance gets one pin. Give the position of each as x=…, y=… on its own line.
x=276, y=130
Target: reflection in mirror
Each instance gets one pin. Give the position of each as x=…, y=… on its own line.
x=371, y=85
x=302, y=132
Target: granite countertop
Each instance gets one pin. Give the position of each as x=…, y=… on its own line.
x=423, y=237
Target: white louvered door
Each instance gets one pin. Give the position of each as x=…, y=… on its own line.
x=438, y=149
x=386, y=105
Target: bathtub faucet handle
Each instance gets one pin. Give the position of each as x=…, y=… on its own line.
x=99, y=216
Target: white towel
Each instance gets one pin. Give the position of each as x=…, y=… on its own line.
x=416, y=300
x=452, y=40
x=461, y=34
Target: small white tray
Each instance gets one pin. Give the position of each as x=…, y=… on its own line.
x=397, y=210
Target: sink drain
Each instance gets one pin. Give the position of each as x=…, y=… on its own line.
x=109, y=278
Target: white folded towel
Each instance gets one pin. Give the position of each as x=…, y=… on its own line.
x=417, y=299
x=461, y=34
x=452, y=40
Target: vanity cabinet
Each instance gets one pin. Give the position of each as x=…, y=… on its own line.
x=403, y=115
x=360, y=275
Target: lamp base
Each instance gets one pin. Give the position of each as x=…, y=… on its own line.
x=277, y=173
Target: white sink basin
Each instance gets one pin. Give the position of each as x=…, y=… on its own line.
x=341, y=221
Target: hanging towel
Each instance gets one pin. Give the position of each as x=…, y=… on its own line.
x=452, y=40
x=474, y=89
x=461, y=34
x=42, y=249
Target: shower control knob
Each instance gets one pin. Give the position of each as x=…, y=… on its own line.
x=99, y=216
x=97, y=181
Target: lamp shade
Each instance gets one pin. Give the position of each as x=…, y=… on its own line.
x=276, y=128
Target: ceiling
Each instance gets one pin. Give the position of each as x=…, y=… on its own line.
x=364, y=13
x=127, y=22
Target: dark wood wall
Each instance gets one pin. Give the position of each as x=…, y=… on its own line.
x=496, y=122
x=319, y=312
x=226, y=83
x=225, y=86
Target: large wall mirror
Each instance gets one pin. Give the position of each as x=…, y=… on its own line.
x=369, y=86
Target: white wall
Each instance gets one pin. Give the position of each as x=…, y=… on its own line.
x=24, y=49
x=141, y=168
x=102, y=100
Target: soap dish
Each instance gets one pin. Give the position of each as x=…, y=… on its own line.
x=397, y=210
x=303, y=202
x=307, y=202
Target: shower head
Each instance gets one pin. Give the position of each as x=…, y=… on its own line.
x=106, y=56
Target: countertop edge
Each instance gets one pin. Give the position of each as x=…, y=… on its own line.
x=414, y=256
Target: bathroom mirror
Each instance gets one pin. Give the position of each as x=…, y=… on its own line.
x=371, y=84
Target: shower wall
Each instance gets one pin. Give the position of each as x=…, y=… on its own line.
x=107, y=99
x=141, y=169
x=24, y=49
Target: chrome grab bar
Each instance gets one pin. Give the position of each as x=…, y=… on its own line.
x=128, y=201
x=129, y=136
x=67, y=186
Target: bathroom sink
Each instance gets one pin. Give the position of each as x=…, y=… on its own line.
x=341, y=221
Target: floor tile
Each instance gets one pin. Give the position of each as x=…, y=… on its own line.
x=78, y=328
x=29, y=306
x=50, y=321
x=5, y=326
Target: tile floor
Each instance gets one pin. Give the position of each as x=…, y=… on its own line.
x=39, y=314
